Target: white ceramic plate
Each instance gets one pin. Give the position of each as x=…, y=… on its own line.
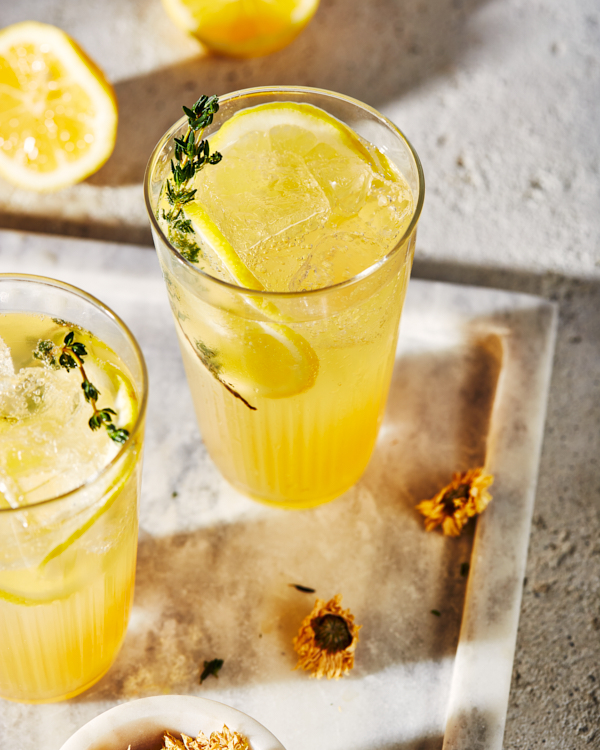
x=141, y=724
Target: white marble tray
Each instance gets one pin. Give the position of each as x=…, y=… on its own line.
x=214, y=568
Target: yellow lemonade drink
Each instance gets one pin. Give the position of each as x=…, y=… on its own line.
x=68, y=502
x=288, y=289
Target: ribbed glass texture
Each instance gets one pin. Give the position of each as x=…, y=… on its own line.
x=63, y=621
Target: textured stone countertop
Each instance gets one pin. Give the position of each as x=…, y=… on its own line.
x=501, y=99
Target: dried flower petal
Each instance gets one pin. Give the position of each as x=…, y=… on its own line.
x=224, y=740
x=327, y=640
x=463, y=498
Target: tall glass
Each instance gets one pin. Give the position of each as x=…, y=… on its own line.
x=291, y=447
x=67, y=563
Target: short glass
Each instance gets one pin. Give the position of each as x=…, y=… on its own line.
x=67, y=563
x=277, y=445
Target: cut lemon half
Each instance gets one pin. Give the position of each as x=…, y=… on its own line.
x=242, y=28
x=58, y=113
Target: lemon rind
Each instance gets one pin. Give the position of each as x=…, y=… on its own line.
x=183, y=17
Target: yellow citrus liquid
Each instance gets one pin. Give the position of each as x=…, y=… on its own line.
x=303, y=450
x=66, y=567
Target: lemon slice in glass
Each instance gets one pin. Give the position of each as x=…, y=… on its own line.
x=292, y=177
x=58, y=113
x=242, y=28
x=264, y=358
x=312, y=126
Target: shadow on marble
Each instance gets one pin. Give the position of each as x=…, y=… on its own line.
x=472, y=729
x=564, y=288
x=423, y=743
x=116, y=231
x=374, y=51
x=226, y=591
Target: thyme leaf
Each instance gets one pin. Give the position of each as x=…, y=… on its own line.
x=71, y=355
x=208, y=357
x=192, y=153
x=300, y=587
x=211, y=667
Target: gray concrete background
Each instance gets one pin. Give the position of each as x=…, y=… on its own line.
x=501, y=99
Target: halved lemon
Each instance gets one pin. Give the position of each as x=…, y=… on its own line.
x=58, y=113
x=242, y=28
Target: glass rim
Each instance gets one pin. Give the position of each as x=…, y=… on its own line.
x=353, y=280
x=71, y=289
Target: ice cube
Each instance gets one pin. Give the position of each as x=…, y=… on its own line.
x=46, y=445
x=344, y=178
x=292, y=138
x=258, y=194
x=335, y=257
x=6, y=364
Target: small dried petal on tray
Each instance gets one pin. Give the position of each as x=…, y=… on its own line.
x=224, y=740
x=463, y=498
x=327, y=640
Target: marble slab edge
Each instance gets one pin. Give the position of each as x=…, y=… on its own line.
x=524, y=336
x=522, y=329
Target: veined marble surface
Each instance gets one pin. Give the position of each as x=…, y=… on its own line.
x=214, y=568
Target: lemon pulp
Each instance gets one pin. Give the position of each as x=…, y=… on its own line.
x=58, y=113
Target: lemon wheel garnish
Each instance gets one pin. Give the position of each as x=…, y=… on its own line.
x=279, y=351
x=243, y=28
x=58, y=113
x=314, y=121
x=269, y=360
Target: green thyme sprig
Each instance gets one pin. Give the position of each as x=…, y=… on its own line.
x=209, y=358
x=192, y=153
x=70, y=357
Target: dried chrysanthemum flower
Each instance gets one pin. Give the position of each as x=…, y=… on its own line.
x=463, y=498
x=224, y=740
x=327, y=640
